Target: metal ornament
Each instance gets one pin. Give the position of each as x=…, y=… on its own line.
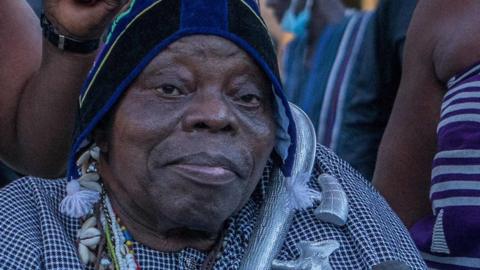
x=276, y=214
x=333, y=207
x=313, y=256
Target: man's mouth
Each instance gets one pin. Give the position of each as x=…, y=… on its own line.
x=206, y=169
x=205, y=175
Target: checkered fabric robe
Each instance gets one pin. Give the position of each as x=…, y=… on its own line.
x=35, y=235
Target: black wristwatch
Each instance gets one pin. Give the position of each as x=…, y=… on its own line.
x=65, y=43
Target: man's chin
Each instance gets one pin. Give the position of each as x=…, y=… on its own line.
x=201, y=227
x=206, y=222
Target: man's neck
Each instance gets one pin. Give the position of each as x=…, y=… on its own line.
x=161, y=236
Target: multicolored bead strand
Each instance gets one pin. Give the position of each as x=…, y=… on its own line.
x=121, y=242
x=109, y=236
x=128, y=244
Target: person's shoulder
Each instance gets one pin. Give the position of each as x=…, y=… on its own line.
x=359, y=191
x=31, y=188
x=362, y=240
x=327, y=161
x=25, y=206
x=20, y=189
x=442, y=31
x=29, y=197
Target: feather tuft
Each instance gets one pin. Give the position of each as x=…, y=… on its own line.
x=301, y=196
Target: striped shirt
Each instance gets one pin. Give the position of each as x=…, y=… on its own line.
x=449, y=238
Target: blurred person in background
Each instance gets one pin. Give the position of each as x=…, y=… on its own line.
x=431, y=149
x=343, y=68
x=7, y=175
x=40, y=81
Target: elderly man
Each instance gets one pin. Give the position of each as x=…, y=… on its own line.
x=343, y=68
x=187, y=156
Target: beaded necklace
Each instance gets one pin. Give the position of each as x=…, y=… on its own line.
x=111, y=241
x=119, y=241
x=115, y=249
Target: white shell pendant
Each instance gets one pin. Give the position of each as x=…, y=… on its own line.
x=86, y=256
x=90, y=237
x=89, y=223
x=83, y=158
x=95, y=153
x=94, y=186
x=88, y=177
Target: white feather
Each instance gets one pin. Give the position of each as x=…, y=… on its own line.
x=301, y=196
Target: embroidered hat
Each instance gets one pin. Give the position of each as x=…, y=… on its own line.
x=148, y=27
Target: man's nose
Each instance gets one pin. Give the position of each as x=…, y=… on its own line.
x=209, y=112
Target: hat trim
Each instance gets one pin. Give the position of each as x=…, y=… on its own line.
x=110, y=49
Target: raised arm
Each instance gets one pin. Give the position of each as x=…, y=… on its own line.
x=39, y=83
x=438, y=46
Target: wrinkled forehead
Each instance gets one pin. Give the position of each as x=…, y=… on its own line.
x=207, y=54
x=205, y=46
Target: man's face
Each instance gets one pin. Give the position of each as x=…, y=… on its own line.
x=279, y=7
x=192, y=135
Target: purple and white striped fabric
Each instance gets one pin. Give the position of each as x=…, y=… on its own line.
x=450, y=238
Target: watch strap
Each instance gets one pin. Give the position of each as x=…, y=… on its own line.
x=66, y=43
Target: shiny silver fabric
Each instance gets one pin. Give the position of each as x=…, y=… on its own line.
x=277, y=214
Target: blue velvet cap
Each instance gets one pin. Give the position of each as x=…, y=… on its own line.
x=148, y=27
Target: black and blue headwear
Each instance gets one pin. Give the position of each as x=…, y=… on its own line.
x=148, y=27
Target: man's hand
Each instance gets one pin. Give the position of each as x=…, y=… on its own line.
x=82, y=19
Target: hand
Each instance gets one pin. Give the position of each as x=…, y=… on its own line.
x=82, y=19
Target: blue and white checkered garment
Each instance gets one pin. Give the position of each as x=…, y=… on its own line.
x=35, y=235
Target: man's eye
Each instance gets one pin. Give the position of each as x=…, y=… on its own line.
x=169, y=90
x=250, y=100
